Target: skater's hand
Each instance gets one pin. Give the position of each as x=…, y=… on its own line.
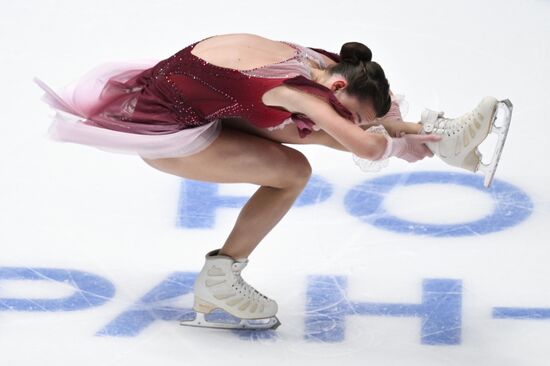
x=411, y=147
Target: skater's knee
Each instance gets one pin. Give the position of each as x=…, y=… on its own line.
x=298, y=170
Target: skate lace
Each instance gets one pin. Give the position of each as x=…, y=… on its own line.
x=453, y=126
x=244, y=287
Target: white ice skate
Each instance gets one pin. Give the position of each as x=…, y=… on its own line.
x=219, y=285
x=462, y=136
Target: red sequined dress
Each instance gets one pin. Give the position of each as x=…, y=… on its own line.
x=174, y=107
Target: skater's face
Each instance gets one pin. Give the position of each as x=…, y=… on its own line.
x=363, y=111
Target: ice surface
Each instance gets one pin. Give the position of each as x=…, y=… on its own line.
x=414, y=265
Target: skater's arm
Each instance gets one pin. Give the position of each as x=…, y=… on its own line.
x=350, y=136
x=395, y=127
x=323, y=138
x=346, y=135
x=393, y=122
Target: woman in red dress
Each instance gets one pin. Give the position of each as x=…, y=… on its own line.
x=219, y=111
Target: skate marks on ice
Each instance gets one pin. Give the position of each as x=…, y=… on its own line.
x=83, y=290
x=509, y=205
x=324, y=316
x=328, y=310
x=327, y=305
x=163, y=303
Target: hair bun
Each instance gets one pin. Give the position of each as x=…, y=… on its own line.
x=355, y=52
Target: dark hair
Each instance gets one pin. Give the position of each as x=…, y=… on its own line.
x=366, y=79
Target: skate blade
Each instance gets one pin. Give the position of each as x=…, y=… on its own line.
x=244, y=324
x=503, y=115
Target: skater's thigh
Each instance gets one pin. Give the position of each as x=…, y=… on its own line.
x=240, y=157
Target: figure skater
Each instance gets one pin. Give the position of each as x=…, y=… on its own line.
x=220, y=110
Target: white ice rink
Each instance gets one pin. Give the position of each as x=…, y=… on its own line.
x=414, y=265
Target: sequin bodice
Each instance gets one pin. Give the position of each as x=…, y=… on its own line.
x=184, y=91
x=201, y=92
x=206, y=92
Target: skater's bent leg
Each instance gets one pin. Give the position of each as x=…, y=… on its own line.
x=260, y=214
x=238, y=157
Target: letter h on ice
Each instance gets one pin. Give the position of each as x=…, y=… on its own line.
x=328, y=306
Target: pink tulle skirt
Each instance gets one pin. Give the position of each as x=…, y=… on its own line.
x=92, y=110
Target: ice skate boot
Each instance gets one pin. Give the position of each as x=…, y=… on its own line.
x=219, y=285
x=461, y=136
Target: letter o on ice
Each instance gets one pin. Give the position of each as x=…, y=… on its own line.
x=365, y=201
